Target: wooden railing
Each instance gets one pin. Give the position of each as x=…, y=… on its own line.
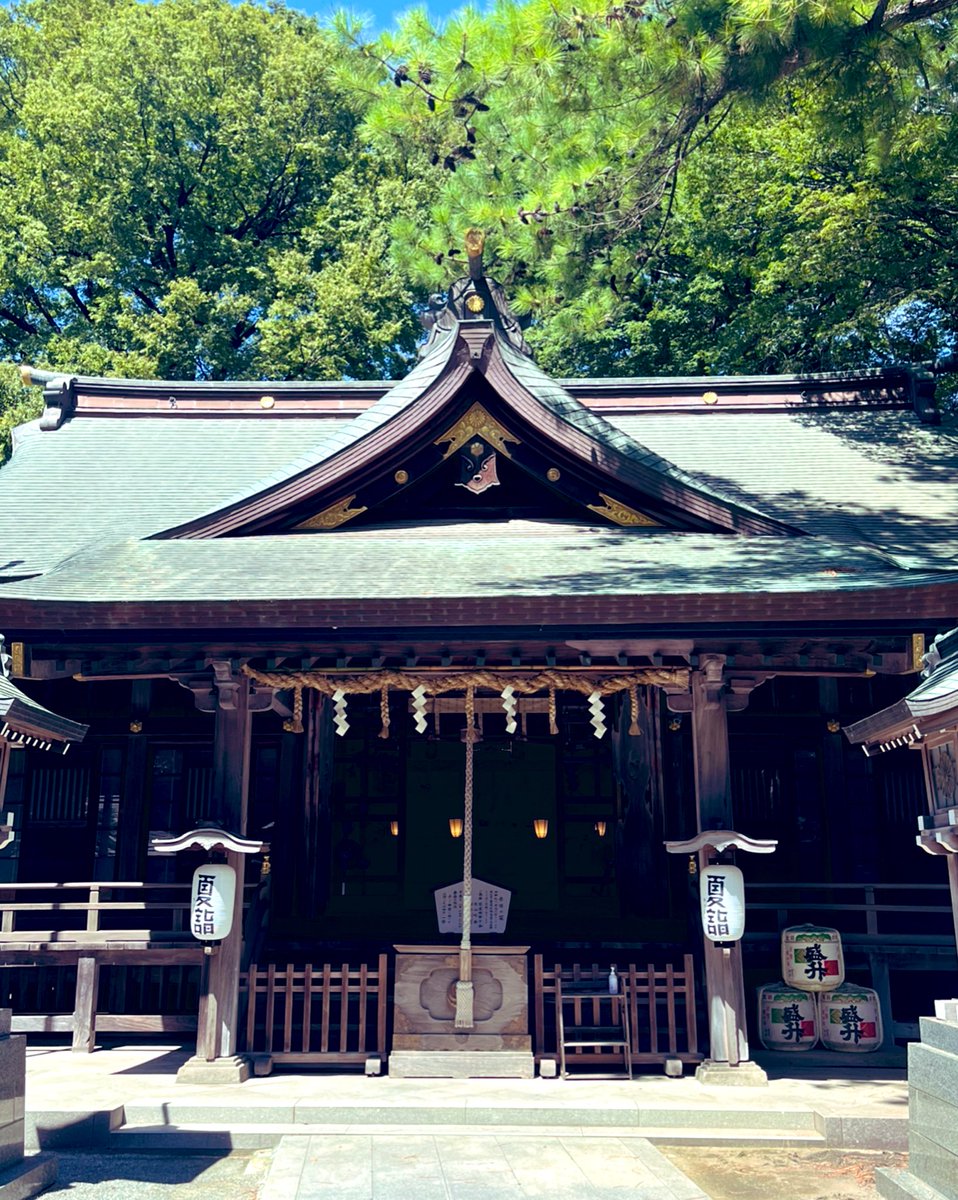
x=315, y=1014
x=859, y=910
x=661, y=999
x=89, y=912
x=98, y=957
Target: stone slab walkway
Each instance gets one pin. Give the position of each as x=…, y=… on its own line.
x=444, y=1167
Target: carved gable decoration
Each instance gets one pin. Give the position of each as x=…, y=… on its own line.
x=477, y=431
x=476, y=423
x=477, y=437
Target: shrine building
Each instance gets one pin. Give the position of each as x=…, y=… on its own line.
x=475, y=638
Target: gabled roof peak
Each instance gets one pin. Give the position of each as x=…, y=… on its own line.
x=473, y=297
x=481, y=299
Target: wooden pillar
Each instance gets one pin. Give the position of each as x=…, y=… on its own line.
x=941, y=791
x=218, y=1027
x=313, y=859
x=953, y=885
x=640, y=869
x=230, y=797
x=134, y=831
x=84, y=1008
x=724, y=981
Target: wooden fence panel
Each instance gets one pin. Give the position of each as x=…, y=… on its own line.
x=661, y=1001
x=333, y=1008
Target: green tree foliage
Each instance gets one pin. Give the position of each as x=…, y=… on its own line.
x=181, y=185
x=813, y=232
x=674, y=185
x=17, y=404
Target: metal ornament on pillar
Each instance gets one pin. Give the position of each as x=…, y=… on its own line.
x=722, y=895
x=211, y=901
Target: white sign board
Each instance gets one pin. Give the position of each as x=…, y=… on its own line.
x=490, y=908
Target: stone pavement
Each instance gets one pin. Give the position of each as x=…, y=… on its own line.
x=344, y=1136
x=447, y=1167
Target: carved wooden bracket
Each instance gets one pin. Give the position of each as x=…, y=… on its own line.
x=720, y=687
x=220, y=691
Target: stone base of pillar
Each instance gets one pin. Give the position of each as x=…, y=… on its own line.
x=32, y=1175
x=723, y=1074
x=219, y=1070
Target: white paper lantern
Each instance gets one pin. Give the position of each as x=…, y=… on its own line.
x=722, y=892
x=812, y=958
x=211, y=902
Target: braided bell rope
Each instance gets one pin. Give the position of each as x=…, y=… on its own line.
x=464, y=988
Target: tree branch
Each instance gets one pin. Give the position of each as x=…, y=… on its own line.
x=916, y=10
x=20, y=322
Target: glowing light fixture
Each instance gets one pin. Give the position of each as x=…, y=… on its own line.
x=541, y=826
x=455, y=827
x=600, y=828
x=394, y=828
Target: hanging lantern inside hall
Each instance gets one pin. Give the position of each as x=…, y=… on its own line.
x=211, y=902
x=455, y=827
x=722, y=893
x=541, y=827
x=812, y=958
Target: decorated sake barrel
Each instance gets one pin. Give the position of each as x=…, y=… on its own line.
x=850, y=1019
x=787, y=1017
x=812, y=958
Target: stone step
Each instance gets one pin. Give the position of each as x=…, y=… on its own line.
x=902, y=1185
x=254, y=1136
x=474, y=1116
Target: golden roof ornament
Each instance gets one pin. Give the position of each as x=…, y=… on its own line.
x=474, y=296
x=475, y=244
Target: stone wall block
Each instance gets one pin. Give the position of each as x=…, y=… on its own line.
x=13, y=1055
x=933, y=1071
x=939, y=1035
x=933, y=1164
x=937, y=1119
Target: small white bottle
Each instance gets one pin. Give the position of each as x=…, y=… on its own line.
x=613, y=982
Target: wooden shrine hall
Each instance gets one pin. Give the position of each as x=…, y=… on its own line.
x=458, y=655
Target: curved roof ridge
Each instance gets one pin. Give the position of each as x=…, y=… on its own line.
x=571, y=410
x=398, y=398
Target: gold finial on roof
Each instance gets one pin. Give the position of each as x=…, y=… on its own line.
x=475, y=244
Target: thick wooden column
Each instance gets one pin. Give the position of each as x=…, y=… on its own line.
x=230, y=798
x=724, y=981
x=218, y=1027
x=134, y=831
x=637, y=759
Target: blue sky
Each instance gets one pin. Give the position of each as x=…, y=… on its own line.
x=381, y=12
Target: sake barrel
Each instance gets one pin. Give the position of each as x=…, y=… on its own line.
x=850, y=1019
x=812, y=958
x=787, y=1017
